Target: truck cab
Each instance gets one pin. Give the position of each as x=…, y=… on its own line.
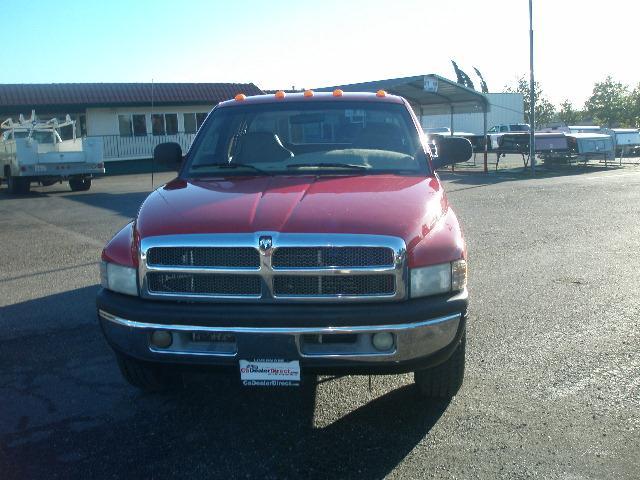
x=304, y=233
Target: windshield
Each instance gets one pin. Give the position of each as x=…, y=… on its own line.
x=318, y=138
x=42, y=136
x=520, y=127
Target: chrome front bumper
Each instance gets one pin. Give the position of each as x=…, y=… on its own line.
x=412, y=341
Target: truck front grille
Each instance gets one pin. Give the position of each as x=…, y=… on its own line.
x=273, y=268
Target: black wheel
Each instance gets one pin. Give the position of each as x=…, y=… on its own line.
x=47, y=183
x=80, y=184
x=19, y=185
x=443, y=381
x=148, y=376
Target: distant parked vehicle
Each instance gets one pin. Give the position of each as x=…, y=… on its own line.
x=446, y=131
x=584, y=129
x=34, y=151
x=549, y=145
x=437, y=130
x=558, y=146
x=497, y=131
x=588, y=144
x=626, y=141
x=510, y=128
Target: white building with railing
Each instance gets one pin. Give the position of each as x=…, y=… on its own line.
x=131, y=118
x=132, y=133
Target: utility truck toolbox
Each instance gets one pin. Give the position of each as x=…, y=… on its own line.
x=304, y=233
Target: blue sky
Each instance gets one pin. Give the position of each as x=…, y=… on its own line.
x=281, y=43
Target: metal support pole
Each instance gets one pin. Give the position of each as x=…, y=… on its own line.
x=451, y=122
x=153, y=167
x=453, y=165
x=486, y=139
x=532, y=95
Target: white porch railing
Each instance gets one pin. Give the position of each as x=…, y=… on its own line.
x=116, y=147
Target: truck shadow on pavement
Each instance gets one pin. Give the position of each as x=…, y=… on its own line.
x=126, y=204
x=68, y=414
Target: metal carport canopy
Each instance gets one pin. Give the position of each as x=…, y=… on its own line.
x=429, y=94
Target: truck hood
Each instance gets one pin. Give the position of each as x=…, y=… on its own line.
x=406, y=207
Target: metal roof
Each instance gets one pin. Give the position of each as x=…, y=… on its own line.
x=81, y=95
x=435, y=94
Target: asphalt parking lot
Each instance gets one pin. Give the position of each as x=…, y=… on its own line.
x=552, y=388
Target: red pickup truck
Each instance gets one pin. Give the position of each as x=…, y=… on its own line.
x=304, y=233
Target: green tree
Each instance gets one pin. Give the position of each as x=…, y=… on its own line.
x=609, y=104
x=544, y=109
x=569, y=115
x=634, y=107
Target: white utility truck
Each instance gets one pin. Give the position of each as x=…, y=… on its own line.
x=33, y=151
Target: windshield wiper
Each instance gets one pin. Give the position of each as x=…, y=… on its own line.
x=230, y=166
x=346, y=166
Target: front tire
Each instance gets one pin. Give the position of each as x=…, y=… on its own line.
x=148, y=377
x=443, y=381
x=79, y=184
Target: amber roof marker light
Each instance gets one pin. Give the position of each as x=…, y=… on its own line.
x=337, y=92
x=280, y=94
x=308, y=93
x=240, y=97
x=381, y=93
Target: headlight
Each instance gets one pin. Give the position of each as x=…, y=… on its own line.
x=118, y=278
x=436, y=279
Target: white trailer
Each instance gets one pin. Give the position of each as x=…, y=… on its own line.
x=33, y=151
x=626, y=140
x=592, y=143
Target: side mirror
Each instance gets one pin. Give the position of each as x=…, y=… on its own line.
x=168, y=154
x=450, y=150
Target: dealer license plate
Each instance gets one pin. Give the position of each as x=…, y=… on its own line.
x=213, y=337
x=270, y=373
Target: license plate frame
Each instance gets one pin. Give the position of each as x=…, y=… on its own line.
x=268, y=372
